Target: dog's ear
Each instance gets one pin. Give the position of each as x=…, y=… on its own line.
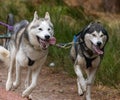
x=105, y=33
x=47, y=16
x=35, y=16
x=85, y=30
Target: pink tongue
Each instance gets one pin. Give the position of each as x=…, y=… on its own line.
x=52, y=40
x=43, y=43
x=97, y=50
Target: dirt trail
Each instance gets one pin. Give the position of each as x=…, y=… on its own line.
x=59, y=86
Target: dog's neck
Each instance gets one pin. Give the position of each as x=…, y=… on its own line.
x=88, y=52
x=31, y=61
x=89, y=55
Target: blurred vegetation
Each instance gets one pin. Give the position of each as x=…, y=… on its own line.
x=67, y=22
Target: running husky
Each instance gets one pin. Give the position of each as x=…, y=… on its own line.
x=87, y=54
x=29, y=48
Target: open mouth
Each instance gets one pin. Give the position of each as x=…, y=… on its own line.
x=97, y=50
x=45, y=42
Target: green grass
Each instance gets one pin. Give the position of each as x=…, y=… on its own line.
x=109, y=73
x=67, y=22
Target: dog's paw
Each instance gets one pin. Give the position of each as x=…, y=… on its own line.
x=80, y=92
x=15, y=85
x=26, y=93
x=8, y=85
x=30, y=97
x=83, y=86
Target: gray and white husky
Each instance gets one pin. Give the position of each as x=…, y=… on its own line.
x=29, y=48
x=87, y=54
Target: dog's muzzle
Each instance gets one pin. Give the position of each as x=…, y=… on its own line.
x=47, y=41
x=97, y=48
x=99, y=43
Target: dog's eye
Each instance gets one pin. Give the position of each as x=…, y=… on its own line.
x=94, y=35
x=101, y=35
x=40, y=29
x=48, y=29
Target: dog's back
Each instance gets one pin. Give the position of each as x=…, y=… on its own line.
x=18, y=31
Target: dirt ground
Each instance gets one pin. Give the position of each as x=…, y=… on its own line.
x=58, y=86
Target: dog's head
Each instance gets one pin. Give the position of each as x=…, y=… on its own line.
x=95, y=37
x=41, y=31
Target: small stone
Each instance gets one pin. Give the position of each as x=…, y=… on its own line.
x=61, y=91
x=52, y=64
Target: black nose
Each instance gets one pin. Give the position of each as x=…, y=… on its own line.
x=47, y=37
x=99, y=43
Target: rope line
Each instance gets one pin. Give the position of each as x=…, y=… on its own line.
x=66, y=45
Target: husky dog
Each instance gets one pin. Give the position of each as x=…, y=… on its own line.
x=29, y=48
x=87, y=53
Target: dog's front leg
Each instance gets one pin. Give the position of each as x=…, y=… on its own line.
x=16, y=83
x=27, y=81
x=80, y=80
x=9, y=79
x=35, y=74
x=90, y=80
x=10, y=72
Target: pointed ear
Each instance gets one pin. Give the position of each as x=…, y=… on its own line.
x=35, y=16
x=47, y=16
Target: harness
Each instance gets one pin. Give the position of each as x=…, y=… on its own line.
x=84, y=49
x=30, y=62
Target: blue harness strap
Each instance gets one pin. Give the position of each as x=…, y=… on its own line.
x=75, y=38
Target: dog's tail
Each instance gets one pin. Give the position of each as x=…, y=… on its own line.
x=4, y=55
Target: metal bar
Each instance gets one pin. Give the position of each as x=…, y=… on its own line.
x=6, y=25
x=2, y=36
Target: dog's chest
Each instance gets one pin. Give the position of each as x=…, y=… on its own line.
x=33, y=53
x=86, y=63
x=30, y=57
x=96, y=62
